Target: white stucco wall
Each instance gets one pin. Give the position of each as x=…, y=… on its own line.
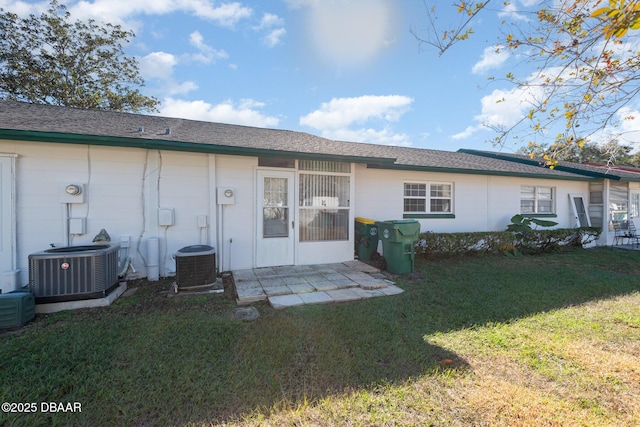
x=126, y=186
x=481, y=203
x=124, y=189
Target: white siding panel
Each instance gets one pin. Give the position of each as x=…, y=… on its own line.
x=115, y=198
x=121, y=182
x=238, y=220
x=481, y=203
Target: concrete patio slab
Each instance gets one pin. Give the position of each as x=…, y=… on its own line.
x=284, y=301
x=276, y=290
x=301, y=288
x=316, y=298
x=289, y=286
x=343, y=295
x=367, y=293
x=324, y=285
x=391, y=290
x=250, y=295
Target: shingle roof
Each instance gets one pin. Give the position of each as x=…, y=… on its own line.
x=23, y=121
x=587, y=169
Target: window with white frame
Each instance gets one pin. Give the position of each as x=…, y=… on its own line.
x=537, y=200
x=428, y=197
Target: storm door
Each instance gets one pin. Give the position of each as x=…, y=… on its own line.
x=276, y=222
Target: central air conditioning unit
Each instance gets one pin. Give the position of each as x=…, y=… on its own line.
x=73, y=273
x=195, y=266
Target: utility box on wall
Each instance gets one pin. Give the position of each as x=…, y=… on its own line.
x=226, y=196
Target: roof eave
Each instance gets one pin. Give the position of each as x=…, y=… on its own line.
x=172, y=145
x=478, y=172
x=564, y=168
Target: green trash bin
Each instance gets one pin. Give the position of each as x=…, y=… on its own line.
x=366, y=238
x=398, y=244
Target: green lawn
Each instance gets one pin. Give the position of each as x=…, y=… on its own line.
x=535, y=340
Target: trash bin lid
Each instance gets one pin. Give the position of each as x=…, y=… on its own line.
x=365, y=220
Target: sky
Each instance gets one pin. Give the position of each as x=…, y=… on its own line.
x=349, y=70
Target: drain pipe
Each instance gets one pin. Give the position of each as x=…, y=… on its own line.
x=153, y=259
x=67, y=231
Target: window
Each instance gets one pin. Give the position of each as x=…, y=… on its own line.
x=436, y=198
x=618, y=202
x=274, y=162
x=324, y=199
x=536, y=200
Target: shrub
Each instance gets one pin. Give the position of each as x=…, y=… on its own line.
x=531, y=241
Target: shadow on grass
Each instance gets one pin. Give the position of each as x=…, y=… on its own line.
x=152, y=360
x=310, y=352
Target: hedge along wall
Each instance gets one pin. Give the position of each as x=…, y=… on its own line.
x=533, y=241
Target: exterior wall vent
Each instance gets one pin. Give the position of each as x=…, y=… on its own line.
x=73, y=273
x=195, y=266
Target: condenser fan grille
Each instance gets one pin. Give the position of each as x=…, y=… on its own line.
x=195, y=266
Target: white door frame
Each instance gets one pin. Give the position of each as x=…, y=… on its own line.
x=275, y=246
x=580, y=210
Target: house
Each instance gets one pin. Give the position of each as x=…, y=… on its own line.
x=260, y=197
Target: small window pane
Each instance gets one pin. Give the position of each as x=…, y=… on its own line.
x=415, y=190
x=324, y=190
x=275, y=222
x=324, y=225
x=275, y=192
x=528, y=192
x=544, y=206
x=544, y=193
x=527, y=206
x=440, y=190
x=276, y=162
x=440, y=205
x=415, y=205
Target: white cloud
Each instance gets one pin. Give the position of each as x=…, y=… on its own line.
x=630, y=122
x=371, y=136
x=298, y=4
x=342, y=112
x=502, y=108
x=22, y=8
x=467, y=133
x=269, y=20
x=625, y=127
x=115, y=11
x=157, y=65
x=273, y=25
x=511, y=11
x=274, y=37
x=492, y=57
x=207, y=54
x=336, y=118
x=244, y=112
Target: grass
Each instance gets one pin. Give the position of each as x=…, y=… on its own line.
x=537, y=340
